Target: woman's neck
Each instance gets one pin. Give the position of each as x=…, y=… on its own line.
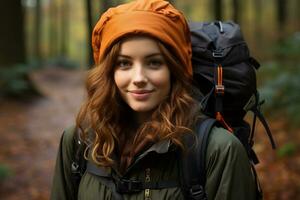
x=141, y=117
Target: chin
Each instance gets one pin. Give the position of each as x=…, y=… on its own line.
x=143, y=108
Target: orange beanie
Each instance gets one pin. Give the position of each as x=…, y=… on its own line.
x=156, y=18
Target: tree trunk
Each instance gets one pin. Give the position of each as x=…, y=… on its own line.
x=258, y=25
x=89, y=23
x=12, y=40
x=53, y=35
x=281, y=16
x=236, y=10
x=14, y=74
x=217, y=9
x=64, y=28
x=281, y=20
x=37, y=39
x=258, y=12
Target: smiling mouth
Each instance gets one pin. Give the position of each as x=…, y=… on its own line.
x=141, y=95
x=140, y=91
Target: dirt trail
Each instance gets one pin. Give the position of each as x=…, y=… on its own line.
x=30, y=132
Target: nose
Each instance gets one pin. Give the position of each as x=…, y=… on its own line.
x=139, y=76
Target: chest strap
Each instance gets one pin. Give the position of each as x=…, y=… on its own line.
x=124, y=185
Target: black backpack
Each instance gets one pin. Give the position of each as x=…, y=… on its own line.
x=225, y=74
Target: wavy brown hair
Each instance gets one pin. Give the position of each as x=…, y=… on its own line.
x=100, y=117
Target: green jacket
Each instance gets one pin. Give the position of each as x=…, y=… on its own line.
x=229, y=175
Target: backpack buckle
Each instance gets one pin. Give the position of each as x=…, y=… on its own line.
x=197, y=192
x=219, y=89
x=75, y=168
x=129, y=186
x=217, y=54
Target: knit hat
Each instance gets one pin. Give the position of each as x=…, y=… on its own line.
x=156, y=18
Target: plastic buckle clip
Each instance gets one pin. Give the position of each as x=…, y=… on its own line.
x=219, y=90
x=129, y=186
x=217, y=54
x=75, y=168
x=197, y=192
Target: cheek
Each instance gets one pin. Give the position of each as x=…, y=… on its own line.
x=120, y=79
x=162, y=81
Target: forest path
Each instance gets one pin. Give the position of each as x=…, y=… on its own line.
x=30, y=131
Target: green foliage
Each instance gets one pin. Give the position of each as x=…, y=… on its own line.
x=5, y=172
x=287, y=149
x=14, y=81
x=281, y=83
x=282, y=94
x=290, y=47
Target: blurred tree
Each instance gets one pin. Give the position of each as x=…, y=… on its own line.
x=281, y=16
x=89, y=23
x=217, y=9
x=257, y=24
x=187, y=7
x=53, y=35
x=14, y=75
x=12, y=40
x=37, y=35
x=236, y=5
x=106, y=4
x=64, y=28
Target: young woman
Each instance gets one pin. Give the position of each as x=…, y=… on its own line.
x=139, y=107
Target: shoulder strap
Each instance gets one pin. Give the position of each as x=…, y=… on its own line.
x=193, y=167
x=203, y=133
x=255, y=108
x=78, y=165
x=122, y=185
x=193, y=163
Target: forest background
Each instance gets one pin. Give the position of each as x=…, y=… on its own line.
x=45, y=51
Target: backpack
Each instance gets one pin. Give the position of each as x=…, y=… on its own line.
x=225, y=74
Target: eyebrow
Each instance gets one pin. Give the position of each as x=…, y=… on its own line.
x=148, y=56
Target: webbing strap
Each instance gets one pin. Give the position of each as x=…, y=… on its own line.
x=219, y=88
x=96, y=170
x=193, y=163
x=219, y=93
x=259, y=193
x=130, y=186
x=257, y=113
x=221, y=119
x=78, y=161
x=203, y=133
x=265, y=124
x=160, y=184
x=123, y=185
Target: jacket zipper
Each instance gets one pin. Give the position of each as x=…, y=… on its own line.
x=145, y=154
x=147, y=180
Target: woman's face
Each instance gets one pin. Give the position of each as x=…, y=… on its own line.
x=141, y=74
